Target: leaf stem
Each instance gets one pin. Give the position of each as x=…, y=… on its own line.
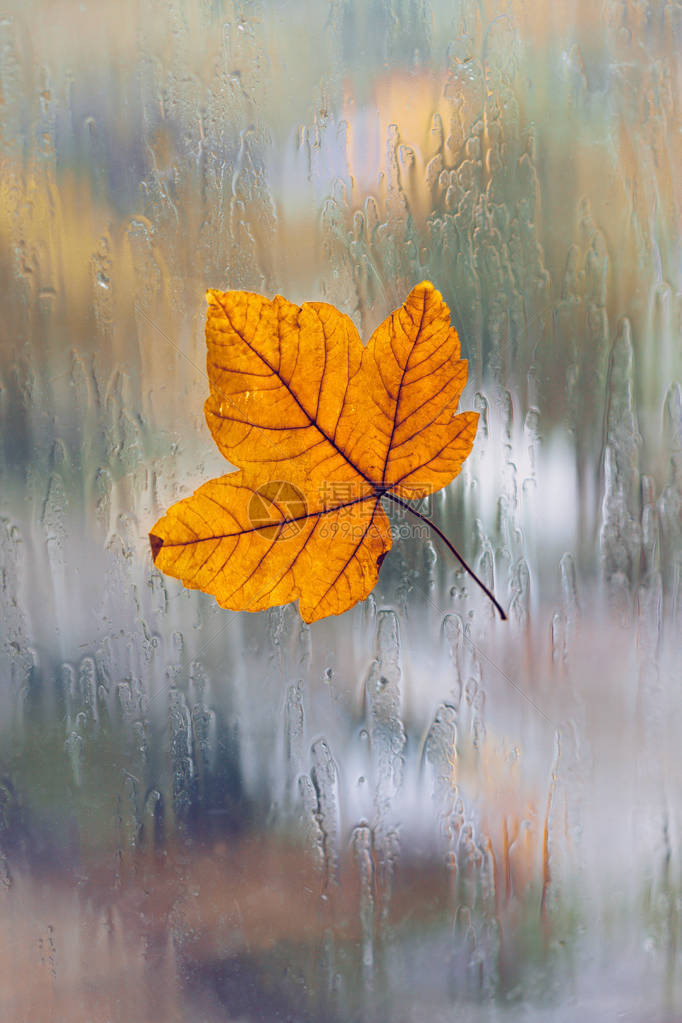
x=448, y=544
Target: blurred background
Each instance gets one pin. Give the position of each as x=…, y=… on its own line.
x=413, y=811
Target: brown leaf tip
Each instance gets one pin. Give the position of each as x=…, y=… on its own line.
x=156, y=543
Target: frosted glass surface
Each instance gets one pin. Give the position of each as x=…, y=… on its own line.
x=413, y=811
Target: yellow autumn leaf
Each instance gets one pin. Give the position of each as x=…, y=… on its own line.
x=322, y=430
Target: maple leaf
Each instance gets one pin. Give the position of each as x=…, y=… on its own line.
x=322, y=430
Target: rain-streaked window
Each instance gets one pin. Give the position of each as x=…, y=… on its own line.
x=414, y=810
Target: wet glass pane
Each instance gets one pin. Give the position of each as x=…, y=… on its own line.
x=414, y=810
